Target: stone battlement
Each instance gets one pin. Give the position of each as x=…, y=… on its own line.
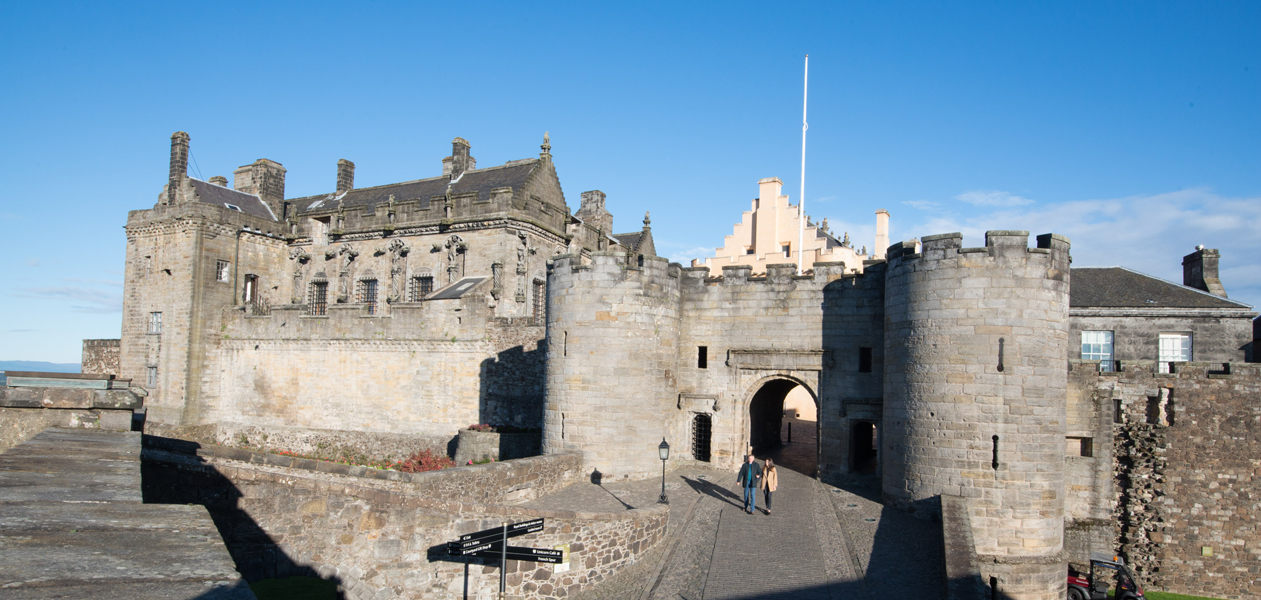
x=998, y=243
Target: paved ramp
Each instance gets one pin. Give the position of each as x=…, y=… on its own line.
x=72, y=525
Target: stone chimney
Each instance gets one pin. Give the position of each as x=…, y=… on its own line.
x=219, y=180
x=592, y=212
x=264, y=178
x=460, y=159
x=1199, y=270
x=179, y=165
x=882, y=234
x=345, y=176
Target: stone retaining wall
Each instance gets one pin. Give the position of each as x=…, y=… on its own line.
x=482, y=445
x=382, y=534
x=1188, y=475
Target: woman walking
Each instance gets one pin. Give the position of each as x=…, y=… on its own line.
x=770, y=481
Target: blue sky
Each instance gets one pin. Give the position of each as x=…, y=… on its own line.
x=1130, y=127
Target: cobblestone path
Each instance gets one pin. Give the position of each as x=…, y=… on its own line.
x=821, y=542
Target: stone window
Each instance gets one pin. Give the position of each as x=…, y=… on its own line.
x=318, y=304
x=864, y=360
x=155, y=322
x=994, y=451
x=702, y=357
x=221, y=270
x=1097, y=345
x=702, y=425
x=1174, y=347
x=151, y=377
x=420, y=287
x=368, y=294
x=1079, y=446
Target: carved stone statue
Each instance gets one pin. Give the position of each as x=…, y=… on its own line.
x=455, y=258
x=300, y=258
x=390, y=210
x=345, y=276
x=845, y=242
x=398, y=265
x=341, y=214
x=497, y=274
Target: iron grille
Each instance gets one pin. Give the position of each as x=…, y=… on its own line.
x=540, y=306
x=319, y=298
x=700, y=437
x=368, y=294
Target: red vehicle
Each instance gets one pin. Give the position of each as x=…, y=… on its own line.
x=1104, y=571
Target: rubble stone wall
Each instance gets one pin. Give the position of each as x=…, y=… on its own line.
x=383, y=534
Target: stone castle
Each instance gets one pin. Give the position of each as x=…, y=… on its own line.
x=1053, y=410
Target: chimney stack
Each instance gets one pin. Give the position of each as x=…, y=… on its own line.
x=179, y=164
x=1199, y=270
x=345, y=176
x=882, y=234
x=219, y=180
x=264, y=178
x=591, y=211
x=460, y=159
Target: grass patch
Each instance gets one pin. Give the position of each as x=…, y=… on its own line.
x=295, y=588
x=1170, y=596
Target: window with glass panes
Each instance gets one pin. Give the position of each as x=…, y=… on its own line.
x=155, y=322
x=1174, y=347
x=1097, y=345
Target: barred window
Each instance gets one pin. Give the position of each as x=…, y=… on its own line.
x=221, y=270
x=155, y=322
x=1097, y=345
x=318, y=304
x=368, y=294
x=421, y=286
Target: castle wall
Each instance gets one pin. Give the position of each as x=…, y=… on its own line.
x=613, y=335
x=1186, y=481
x=975, y=396
x=100, y=357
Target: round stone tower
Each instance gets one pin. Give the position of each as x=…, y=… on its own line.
x=975, y=396
x=612, y=335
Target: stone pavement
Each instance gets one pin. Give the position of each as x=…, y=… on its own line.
x=72, y=525
x=819, y=542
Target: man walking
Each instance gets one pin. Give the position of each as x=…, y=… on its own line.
x=750, y=475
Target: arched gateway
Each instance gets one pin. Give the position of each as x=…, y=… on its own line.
x=783, y=423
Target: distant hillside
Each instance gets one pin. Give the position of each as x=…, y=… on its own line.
x=37, y=365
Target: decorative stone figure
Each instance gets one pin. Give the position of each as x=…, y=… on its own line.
x=344, y=277
x=398, y=265
x=300, y=258
x=390, y=210
x=497, y=274
x=845, y=242
x=455, y=258
x=341, y=214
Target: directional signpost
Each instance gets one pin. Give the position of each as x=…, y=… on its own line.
x=493, y=543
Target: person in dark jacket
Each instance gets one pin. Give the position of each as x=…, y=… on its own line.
x=749, y=476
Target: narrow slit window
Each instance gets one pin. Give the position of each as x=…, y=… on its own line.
x=702, y=357
x=994, y=460
x=864, y=360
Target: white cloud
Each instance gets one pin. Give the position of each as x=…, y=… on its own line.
x=32, y=262
x=996, y=198
x=93, y=301
x=1150, y=234
x=922, y=204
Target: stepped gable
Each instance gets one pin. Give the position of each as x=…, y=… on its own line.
x=209, y=193
x=1119, y=287
x=515, y=174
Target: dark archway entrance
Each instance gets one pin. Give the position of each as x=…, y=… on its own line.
x=769, y=434
x=863, y=448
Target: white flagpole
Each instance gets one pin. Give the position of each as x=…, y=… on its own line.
x=801, y=200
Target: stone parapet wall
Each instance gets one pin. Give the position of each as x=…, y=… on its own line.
x=100, y=357
x=490, y=445
x=26, y=411
x=383, y=534
x=1188, y=474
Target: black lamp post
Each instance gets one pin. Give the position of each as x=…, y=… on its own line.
x=664, y=451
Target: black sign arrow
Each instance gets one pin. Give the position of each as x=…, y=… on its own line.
x=514, y=530
x=543, y=555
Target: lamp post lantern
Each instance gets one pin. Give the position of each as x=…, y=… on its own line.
x=664, y=451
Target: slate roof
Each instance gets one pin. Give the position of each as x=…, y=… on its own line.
x=482, y=181
x=629, y=240
x=1119, y=287
x=249, y=204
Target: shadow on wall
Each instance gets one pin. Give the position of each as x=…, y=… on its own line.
x=511, y=387
x=256, y=554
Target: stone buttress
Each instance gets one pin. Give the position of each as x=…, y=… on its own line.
x=613, y=339
x=975, y=396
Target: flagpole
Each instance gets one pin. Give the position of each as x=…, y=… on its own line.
x=801, y=200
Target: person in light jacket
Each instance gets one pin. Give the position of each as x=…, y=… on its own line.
x=770, y=481
x=750, y=475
